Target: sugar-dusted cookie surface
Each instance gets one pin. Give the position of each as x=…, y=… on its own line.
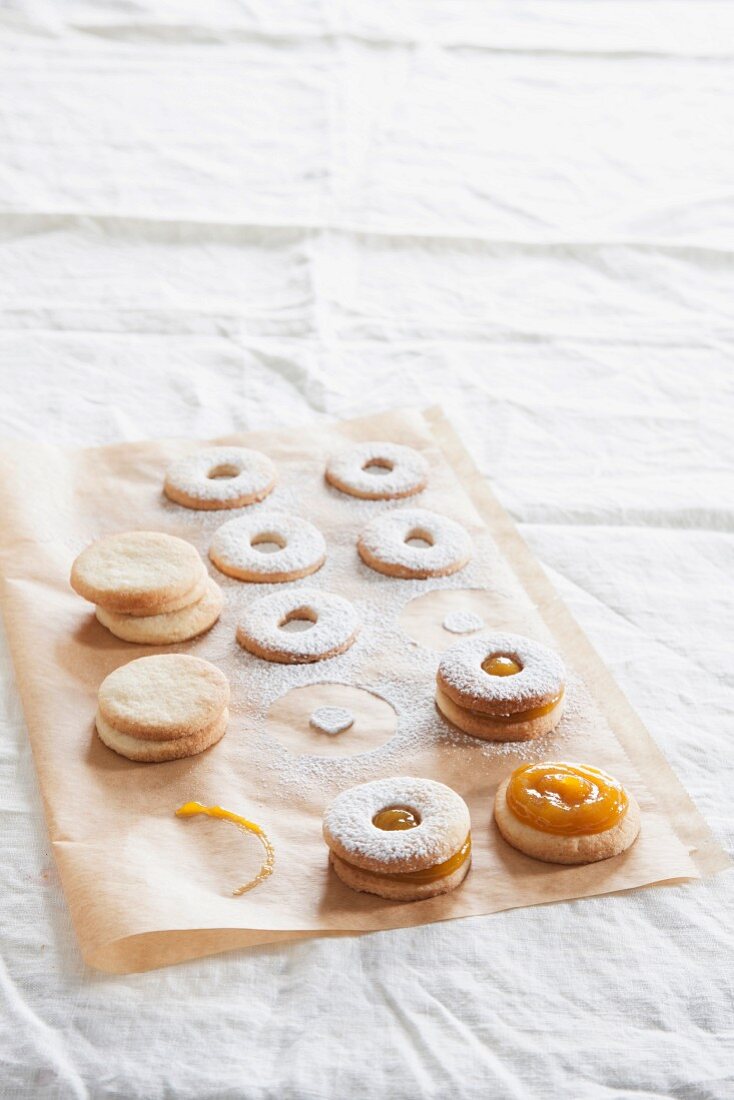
x=414, y=543
x=236, y=548
x=139, y=572
x=163, y=696
x=378, y=471
x=402, y=838
x=168, y=628
x=220, y=477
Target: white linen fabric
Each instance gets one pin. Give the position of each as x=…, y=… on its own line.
x=240, y=214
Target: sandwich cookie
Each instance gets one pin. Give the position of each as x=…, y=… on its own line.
x=414, y=543
x=401, y=838
x=174, y=626
x=327, y=625
x=501, y=687
x=220, y=477
x=238, y=548
x=566, y=813
x=378, y=471
x=162, y=707
x=139, y=573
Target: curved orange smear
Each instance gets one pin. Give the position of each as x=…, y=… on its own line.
x=268, y=866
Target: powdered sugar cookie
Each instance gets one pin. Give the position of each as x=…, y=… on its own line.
x=566, y=813
x=378, y=471
x=331, y=626
x=385, y=544
x=139, y=572
x=400, y=838
x=175, y=626
x=163, y=697
x=235, y=548
x=501, y=687
x=220, y=477
x=145, y=751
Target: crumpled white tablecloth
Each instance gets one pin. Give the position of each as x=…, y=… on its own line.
x=232, y=215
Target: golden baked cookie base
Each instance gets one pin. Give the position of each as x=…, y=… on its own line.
x=156, y=752
x=488, y=729
x=370, y=883
x=552, y=848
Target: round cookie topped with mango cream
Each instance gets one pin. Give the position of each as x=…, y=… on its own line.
x=400, y=838
x=566, y=813
x=501, y=687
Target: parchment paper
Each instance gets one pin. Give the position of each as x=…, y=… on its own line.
x=146, y=889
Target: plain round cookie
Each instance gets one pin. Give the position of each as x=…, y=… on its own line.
x=167, y=629
x=349, y=471
x=156, y=752
x=220, y=477
x=335, y=626
x=551, y=848
x=234, y=548
x=163, y=696
x=138, y=572
x=364, y=856
x=383, y=544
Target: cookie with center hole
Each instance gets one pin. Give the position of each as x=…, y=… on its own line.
x=298, y=627
x=401, y=838
x=217, y=478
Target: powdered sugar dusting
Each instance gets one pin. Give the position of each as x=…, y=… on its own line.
x=334, y=623
x=386, y=539
x=407, y=470
x=462, y=622
x=541, y=677
x=443, y=814
x=332, y=720
x=234, y=546
x=192, y=476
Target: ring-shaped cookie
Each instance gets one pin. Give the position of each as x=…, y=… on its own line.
x=234, y=548
x=378, y=471
x=335, y=626
x=501, y=687
x=427, y=851
x=220, y=477
x=384, y=544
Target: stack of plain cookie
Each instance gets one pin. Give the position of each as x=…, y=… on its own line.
x=148, y=587
x=162, y=708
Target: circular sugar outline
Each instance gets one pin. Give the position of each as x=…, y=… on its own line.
x=288, y=720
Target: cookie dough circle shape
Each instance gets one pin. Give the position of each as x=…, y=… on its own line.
x=408, y=471
x=164, y=696
x=248, y=476
x=335, y=626
x=138, y=572
x=156, y=752
x=331, y=720
x=234, y=548
x=384, y=547
x=172, y=627
x=359, y=851
x=551, y=848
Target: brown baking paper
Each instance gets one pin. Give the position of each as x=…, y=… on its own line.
x=147, y=889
